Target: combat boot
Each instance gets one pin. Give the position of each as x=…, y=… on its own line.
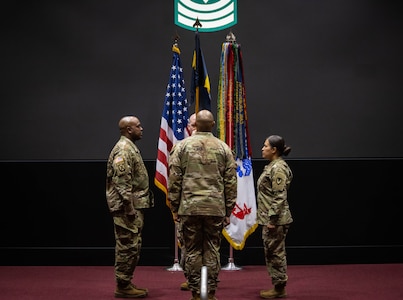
x=185, y=286
x=130, y=291
x=211, y=296
x=195, y=296
x=277, y=292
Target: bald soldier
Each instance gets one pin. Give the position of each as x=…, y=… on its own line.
x=191, y=128
x=202, y=190
x=127, y=194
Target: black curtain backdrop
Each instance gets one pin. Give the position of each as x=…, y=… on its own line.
x=326, y=75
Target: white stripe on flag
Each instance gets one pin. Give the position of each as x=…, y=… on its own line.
x=243, y=218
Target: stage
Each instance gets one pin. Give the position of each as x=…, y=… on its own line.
x=306, y=282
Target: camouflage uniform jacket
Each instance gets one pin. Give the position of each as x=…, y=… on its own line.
x=202, y=176
x=127, y=178
x=272, y=187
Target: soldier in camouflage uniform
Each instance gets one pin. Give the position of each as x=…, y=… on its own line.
x=191, y=129
x=127, y=193
x=202, y=189
x=273, y=213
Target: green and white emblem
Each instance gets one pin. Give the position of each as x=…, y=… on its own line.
x=214, y=15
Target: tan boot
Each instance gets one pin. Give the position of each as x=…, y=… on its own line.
x=195, y=296
x=139, y=288
x=130, y=291
x=185, y=286
x=277, y=292
x=211, y=296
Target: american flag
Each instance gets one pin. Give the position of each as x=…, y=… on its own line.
x=174, y=120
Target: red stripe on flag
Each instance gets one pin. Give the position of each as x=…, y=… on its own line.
x=161, y=174
x=173, y=121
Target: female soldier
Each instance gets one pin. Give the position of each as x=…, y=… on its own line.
x=273, y=213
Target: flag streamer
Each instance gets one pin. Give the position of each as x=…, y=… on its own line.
x=174, y=120
x=233, y=129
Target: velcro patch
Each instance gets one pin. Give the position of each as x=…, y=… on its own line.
x=279, y=182
x=118, y=159
x=119, y=162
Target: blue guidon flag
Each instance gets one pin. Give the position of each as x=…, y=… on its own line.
x=214, y=15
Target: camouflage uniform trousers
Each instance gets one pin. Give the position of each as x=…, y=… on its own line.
x=275, y=253
x=179, y=233
x=128, y=245
x=202, y=239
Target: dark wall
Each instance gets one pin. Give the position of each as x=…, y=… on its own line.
x=324, y=74
x=55, y=213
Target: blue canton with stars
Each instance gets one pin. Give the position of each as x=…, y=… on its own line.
x=176, y=104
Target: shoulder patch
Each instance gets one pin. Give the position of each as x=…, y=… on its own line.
x=279, y=181
x=118, y=159
x=120, y=165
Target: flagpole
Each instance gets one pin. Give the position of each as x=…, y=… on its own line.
x=176, y=265
x=197, y=24
x=230, y=38
x=231, y=265
x=197, y=100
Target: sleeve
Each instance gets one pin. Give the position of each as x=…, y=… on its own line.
x=230, y=183
x=122, y=175
x=175, y=179
x=279, y=179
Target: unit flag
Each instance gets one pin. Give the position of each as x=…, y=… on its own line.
x=232, y=128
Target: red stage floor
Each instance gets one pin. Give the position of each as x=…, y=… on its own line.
x=308, y=282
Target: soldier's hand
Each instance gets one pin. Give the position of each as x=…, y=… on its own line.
x=226, y=221
x=176, y=217
x=270, y=226
x=119, y=213
x=129, y=210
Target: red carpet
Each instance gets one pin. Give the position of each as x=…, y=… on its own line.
x=314, y=282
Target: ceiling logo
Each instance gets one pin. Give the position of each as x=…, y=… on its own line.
x=213, y=15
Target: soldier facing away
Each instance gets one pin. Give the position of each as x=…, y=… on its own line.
x=202, y=188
